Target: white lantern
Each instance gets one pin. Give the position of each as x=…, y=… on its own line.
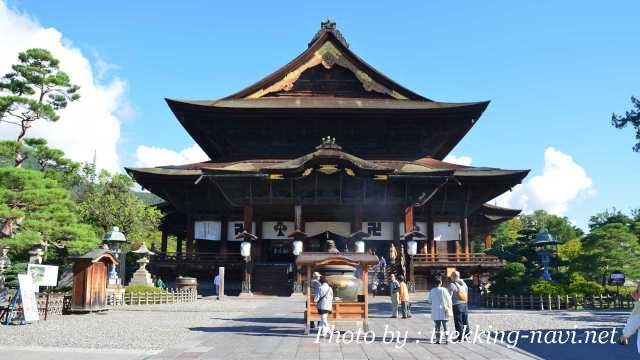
x=360, y=246
x=412, y=247
x=297, y=247
x=245, y=249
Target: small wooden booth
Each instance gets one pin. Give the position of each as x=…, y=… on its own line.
x=90, y=277
x=343, y=311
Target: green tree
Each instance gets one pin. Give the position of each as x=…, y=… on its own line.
x=609, y=248
x=559, y=226
x=35, y=89
x=511, y=280
x=109, y=201
x=631, y=117
x=37, y=155
x=37, y=210
x=507, y=232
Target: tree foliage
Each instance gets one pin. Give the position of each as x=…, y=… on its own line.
x=631, y=117
x=34, y=89
x=37, y=210
x=109, y=202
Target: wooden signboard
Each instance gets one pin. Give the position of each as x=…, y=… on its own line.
x=28, y=297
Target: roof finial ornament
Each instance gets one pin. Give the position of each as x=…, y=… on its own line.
x=329, y=142
x=329, y=26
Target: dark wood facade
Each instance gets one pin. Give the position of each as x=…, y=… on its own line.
x=263, y=145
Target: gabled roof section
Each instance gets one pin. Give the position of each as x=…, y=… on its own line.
x=329, y=51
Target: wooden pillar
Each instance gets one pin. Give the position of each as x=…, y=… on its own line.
x=163, y=244
x=248, y=227
x=465, y=235
x=248, y=219
x=430, y=232
x=190, y=235
x=488, y=241
x=356, y=224
x=224, y=229
x=179, y=239
x=259, y=242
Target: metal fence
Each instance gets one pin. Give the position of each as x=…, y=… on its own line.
x=556, y=302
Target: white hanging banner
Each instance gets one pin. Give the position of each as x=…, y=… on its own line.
x=277, y=229
x=378, y=230
x=446, y=231
x=419, y=227
x=236, y=227
x=207, y=230
x=317, y=227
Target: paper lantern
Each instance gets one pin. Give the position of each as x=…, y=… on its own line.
x=297, y=247
x=245, y=249
x=360, y=246
x=412, y=247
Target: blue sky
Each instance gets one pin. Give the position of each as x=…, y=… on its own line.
x=554, y=71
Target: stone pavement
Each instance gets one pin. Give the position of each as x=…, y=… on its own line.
x=275, y=331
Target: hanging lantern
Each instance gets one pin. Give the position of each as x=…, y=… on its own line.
x=297, y=247
x=412, y=247
x=245, y=249
x=360, y=246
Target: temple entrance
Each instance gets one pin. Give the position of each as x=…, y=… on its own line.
x=273, y=279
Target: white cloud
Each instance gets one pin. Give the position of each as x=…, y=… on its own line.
x=460, y=160
x=148, y=156
x=562, y=181
x=90, y=125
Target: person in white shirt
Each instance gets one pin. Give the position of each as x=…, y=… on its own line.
x=324, y=303
x=441, y=310
x=216, y=284
x=633, y=323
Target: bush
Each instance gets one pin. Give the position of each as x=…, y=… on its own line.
x=138, y=289
x=543, y=287
x=585, y=287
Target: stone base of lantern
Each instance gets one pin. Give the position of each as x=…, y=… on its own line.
x=141, y=277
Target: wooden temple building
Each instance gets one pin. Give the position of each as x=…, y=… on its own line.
x=326, y=146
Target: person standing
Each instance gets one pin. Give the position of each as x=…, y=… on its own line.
x=324, y=303
x=441, y=310
x=394, y=293
x=404, y=298
x=459, y=294
x=216, y=285
x=315, y=286
x=633, y=323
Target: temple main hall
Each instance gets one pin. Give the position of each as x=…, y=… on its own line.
x=326, y=148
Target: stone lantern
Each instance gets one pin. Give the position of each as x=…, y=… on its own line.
x=142, y=276
x=5, y=263
x=114, y=240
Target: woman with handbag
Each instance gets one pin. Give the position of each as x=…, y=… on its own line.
x=441, y=310
x=324, y=302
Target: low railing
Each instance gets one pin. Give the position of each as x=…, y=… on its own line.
x=456, y=259
x=169, y=296
x=198, y=257
x=556, y=302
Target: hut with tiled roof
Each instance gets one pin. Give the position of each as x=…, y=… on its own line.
x=380, y=160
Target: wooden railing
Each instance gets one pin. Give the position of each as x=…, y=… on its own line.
x=556, y=302
x=169, y=296
x=456, y=260
x=198, y=257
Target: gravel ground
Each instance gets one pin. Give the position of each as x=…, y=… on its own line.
x=146, y=327
x=155, y=327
